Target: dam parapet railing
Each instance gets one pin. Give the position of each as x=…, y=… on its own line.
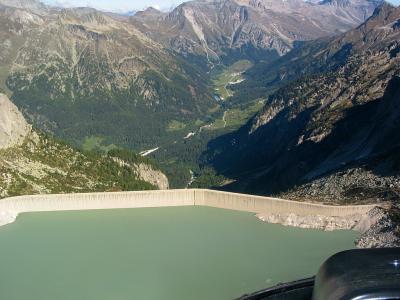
x=170, y=198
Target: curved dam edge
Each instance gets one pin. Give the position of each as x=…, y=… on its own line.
x=272, y=210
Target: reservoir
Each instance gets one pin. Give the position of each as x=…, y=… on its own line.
x=187, y=253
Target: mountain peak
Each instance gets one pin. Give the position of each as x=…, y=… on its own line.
x=383, y=10
x=336, y=3
x=149, y=12
x=151, y=9
x=383, y=15
x=84, y=15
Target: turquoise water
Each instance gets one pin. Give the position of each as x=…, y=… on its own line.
x=156, y=253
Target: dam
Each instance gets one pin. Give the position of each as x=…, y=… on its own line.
x=11, y=207
x=163, y=245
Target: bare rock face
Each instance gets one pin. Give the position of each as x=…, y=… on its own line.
x=354, y=185
x=146, y=172
x=379, y=228
x=313, y=222
x=13, y=126
x=155, y=177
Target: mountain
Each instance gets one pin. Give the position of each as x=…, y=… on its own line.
x=33, y=5
x=32, y=163
x=328, y=136
x=80, y=73
x=223, y=29
x=101, y=80
x=313, y=57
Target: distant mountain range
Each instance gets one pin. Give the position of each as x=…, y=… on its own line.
x=81, y=73
x=330, y=135
x=215, y=29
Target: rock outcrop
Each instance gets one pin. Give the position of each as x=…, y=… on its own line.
x=155, y=177
x=313, y=222
x=13, y=126
x=354, y=185
x=379, y=228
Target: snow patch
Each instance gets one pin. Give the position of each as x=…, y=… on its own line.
x=147, y=152
x=189, y=135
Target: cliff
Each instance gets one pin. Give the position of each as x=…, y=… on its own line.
x=13, y=127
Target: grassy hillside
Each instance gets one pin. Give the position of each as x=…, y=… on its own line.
x=43, y=165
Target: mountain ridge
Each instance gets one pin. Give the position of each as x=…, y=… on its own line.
x=312, y=128
x=211, y=28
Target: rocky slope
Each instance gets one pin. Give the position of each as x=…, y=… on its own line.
x=32, y=163
x=379, y=228
x=221, y=28
x=331, y=131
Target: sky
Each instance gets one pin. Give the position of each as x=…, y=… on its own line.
x=127, y=5
x=117, y=5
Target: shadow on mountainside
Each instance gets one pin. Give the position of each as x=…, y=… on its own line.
x=270, y=161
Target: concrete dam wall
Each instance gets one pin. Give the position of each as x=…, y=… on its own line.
x=11, y=207
x=259, y=204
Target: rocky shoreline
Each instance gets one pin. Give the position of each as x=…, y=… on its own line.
x=380, y=227
x=312, y=221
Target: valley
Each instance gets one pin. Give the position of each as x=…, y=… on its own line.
x=229, y=76
x=180, y=87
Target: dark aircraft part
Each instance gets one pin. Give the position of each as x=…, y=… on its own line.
x=296, y=290
x=359, y=274
x=363, y=274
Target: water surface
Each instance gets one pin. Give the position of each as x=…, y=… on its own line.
x=155, y=253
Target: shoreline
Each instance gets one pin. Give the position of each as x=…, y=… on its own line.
x=378, y=226
x=326, y=223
